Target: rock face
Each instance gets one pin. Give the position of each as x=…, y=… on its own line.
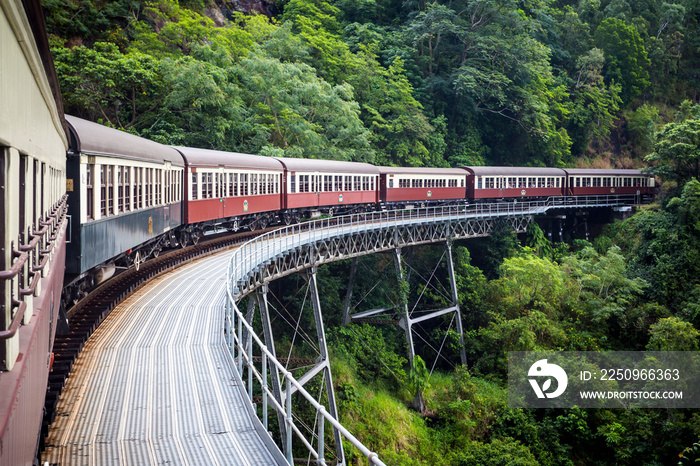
x=224, y=9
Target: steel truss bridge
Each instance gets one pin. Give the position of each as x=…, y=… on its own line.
x=303, y=247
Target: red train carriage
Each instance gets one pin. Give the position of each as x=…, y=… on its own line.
x=486, y=183
x=588, y=182
x=313, y=186
x=229, y=188
x=402, y=185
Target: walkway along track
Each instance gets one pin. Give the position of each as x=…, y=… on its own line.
x=89, y=312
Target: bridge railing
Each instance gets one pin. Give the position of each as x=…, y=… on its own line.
x=242, y=352
x=265, y=248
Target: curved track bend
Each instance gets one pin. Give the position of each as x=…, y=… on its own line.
x=155, y=383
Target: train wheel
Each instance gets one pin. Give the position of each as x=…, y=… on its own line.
x=263, y=223
x=196, y=236
x=287, y=218
x=330, y=212
x=235, y=225
x=157, y=249
x=184, y=239
x=137, y=260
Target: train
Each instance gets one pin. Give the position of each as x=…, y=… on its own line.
x=130, y=197
x=81, y=201
x=33, y=145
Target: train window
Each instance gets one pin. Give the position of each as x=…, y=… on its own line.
x=489, y=183
x=263, y=184
x=233, y=185
x=103, y=191
x=159, y=186
x=254, y=184
x=511, y=182
x=127, y=188
x=138, y=180
x=150, y=183
x=120, y=189
x=110, y=189
x=479, y=184
x=271, y=183
x=348, y=183
x=89, y=181
x=194, y=186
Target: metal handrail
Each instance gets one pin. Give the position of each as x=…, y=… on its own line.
x=22, y=255
x=286, y=375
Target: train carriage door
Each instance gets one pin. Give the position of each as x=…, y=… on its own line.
x=383, y=187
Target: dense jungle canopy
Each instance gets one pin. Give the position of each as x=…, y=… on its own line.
x=587, y=83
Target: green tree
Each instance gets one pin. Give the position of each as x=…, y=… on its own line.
x=300, y=113
x=102, y=83
x=626, y=59
x=676, y=155
x=595, y=103
x=673, y=334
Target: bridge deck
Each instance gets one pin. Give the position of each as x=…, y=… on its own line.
x=155, y=383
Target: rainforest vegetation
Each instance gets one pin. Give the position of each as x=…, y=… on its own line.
x=586, y=83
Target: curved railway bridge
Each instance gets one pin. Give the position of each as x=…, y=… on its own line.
x=303, y=247
x=177, y=373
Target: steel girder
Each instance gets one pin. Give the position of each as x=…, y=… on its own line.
x=375, y=239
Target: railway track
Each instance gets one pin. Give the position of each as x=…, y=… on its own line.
x=89, y=312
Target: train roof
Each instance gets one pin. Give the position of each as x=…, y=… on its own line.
x=515, y=171
x=95, y=139
x=330, y=166
x=421, y=171
x=215, y=158
x=605, y=171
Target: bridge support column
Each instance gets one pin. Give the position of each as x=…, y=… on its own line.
x=261, y=298
x=455, y=300
x=348, y=295
x=324, y=362
x=405, y=321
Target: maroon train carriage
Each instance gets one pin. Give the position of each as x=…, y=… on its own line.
x=590, y=182
x=410, y=185
x=314, y=186
x=231, y=189
x=486, y=183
